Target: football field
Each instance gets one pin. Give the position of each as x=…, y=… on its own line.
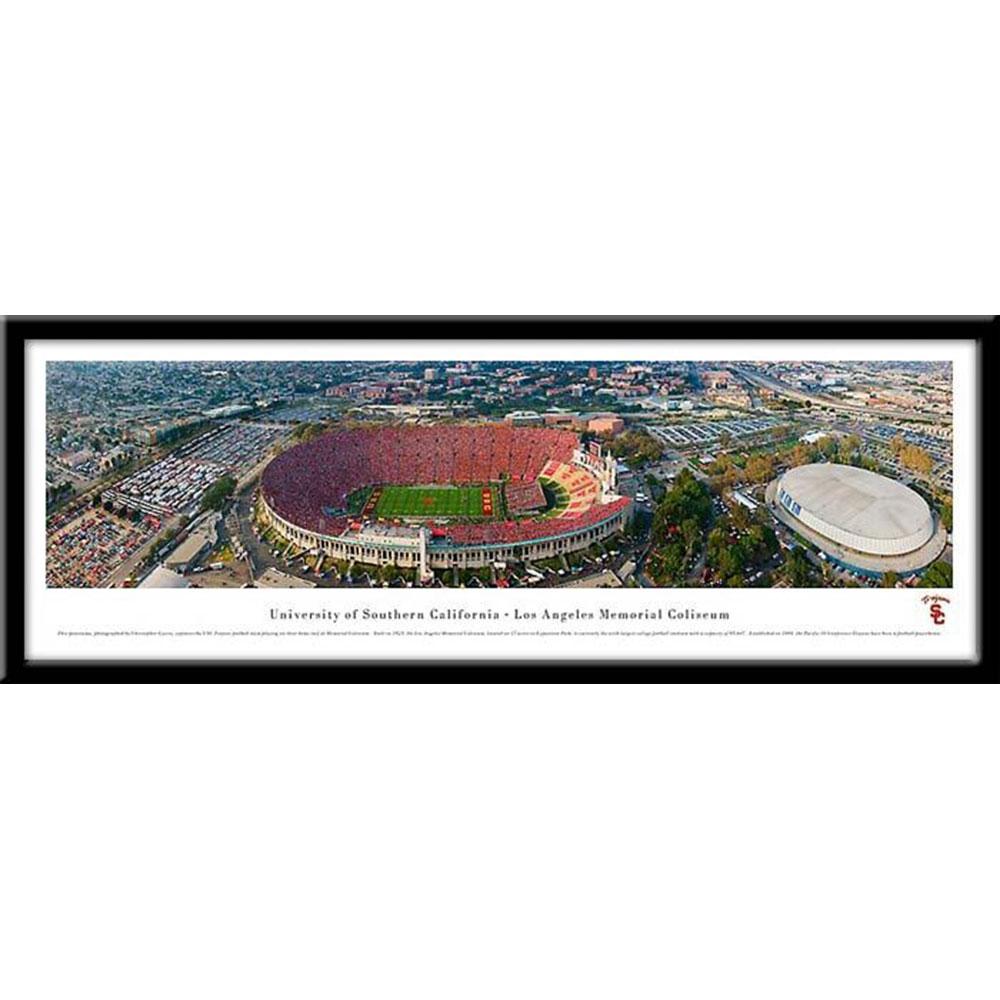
x=437, y=501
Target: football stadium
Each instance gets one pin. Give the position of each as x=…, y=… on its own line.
x=434, y=497
x=859, y=519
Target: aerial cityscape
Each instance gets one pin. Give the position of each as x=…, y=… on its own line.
x=496, y=474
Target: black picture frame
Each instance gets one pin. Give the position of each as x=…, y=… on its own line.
x=20, y=330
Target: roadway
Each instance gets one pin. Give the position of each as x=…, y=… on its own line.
x=817, y=399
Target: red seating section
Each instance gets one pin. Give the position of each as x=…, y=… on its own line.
x=526, y=531
x=522, y=498
x=320, y=474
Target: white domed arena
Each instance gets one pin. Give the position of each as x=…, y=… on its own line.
x=858, y=517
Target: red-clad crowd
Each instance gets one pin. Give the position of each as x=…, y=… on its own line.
x=527, y=531
x=306, y=484
x=523, y=498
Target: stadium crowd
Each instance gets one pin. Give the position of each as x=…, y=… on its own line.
x=523, y=498
x=526, y=531
x=309, y=485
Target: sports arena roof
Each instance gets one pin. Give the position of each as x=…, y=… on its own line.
x=857, y=508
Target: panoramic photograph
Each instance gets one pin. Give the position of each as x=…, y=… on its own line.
x=482, y=474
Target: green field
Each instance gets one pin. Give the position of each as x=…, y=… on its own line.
x=435, y=501
x=556, y=498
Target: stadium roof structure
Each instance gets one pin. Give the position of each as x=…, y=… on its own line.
x=862, y=510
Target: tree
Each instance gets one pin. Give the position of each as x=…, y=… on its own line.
x=938, y=574
x=914, y=457
x=770, y=539
x=799, y=455
x=686, y=499
x=740, y=517
x=760, y=468
x=636, y=447
x=666, y=565
x=216, y=495
x=673, y=562
x=946, y=514
x=691, y=533
x=844, y=453
x=723, y=556
x=890, y=579
x=827, y=446
x=308, y=431
x=799, y=569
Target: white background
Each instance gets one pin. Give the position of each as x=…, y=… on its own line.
x=774, y=842
x=534, y=156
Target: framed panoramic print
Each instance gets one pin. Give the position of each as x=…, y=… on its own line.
x=463, y=499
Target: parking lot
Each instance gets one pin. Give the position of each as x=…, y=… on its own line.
x=176, y=483
x=85, y=548
x=704, y=432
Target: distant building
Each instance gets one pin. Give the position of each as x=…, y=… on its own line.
x=272, y=577
x=229, y=410
x=201, y=539
x=716, y=379
x=732, y=397
x=165, y=431
x=161, y=577
x=592, y=374
x=524, y=418
x=606, y=425
x=74, y=459
x=430, y=374
x=560, y=419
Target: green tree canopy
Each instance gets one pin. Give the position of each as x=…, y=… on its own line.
x=216, y=495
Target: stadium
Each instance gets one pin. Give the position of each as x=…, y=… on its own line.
x=434, y=497
x=859, y=519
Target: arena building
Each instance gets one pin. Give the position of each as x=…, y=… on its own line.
x=859, y=519
x=434, y=497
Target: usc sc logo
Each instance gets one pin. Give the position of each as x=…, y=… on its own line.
x=935, y=610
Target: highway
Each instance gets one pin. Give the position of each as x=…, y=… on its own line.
x=817, y=399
